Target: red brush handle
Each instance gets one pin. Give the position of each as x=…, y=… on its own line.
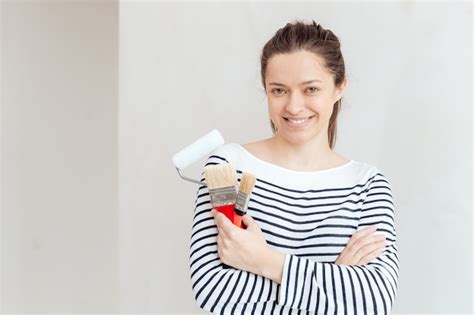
x=228, y=211
x=238, y=221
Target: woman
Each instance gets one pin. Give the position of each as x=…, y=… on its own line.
x=311, y=245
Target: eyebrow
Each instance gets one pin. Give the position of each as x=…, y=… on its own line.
x=302, y=83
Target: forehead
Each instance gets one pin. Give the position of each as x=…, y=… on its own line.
x=296, y=67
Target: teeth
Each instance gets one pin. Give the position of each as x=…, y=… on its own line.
x=299, y=121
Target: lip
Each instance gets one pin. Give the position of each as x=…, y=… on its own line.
x=298, y=126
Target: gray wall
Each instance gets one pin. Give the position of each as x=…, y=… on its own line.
x=94, y=216
x=59, y=156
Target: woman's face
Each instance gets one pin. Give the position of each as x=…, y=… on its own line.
x=301, y=95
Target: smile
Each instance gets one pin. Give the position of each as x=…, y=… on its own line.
x=301, y=122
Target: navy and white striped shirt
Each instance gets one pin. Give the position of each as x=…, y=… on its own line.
x=309, y=216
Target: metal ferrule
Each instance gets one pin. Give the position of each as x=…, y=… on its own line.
x=222, y=196
x=242, y=203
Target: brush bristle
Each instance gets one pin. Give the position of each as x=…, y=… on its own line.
x=221, y=175
x=247, y=182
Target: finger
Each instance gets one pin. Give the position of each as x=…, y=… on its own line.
x=362, y=233
x=216, y=214
x=219, y=246
x=371, y=256
x=224, y=224
x=250, y=223
x=364, y=251
x=367, y=240
x=219, y=241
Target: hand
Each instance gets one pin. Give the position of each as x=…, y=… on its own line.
x=362, y=247
x=244, y=249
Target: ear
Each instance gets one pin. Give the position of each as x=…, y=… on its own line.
x=340, y=89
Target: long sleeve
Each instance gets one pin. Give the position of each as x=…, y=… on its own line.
x=218, y=287
x=327, y=288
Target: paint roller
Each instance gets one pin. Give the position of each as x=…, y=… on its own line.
x=195, y=151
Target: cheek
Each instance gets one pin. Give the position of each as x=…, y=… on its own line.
x=275, y=107
x=322, y=107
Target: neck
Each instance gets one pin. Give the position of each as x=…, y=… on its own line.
x=311, y=155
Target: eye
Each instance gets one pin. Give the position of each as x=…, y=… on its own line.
x=312, y=89
x=277, y=91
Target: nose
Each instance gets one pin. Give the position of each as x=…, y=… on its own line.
x=295, y=104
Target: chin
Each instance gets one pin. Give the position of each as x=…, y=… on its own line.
x=299, y=139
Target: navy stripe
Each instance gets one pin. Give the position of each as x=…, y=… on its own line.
x=307, y=246
x=377, y=200
x=379, y=276
x=343, y=289
x=214, y=288
x=354, y=300
x=241, y=292
x=310, y=198
x=396, y=264
x=296, y=282
x=202, y=220
x=308, y=303
x=203, y=229
x=380, y=291
x=270, y=214
x=259, y=295
x=222, y=292
x=218, y=157
x=251, y=292
x=203, y=265
x=290, y=262
x=305, y=230
x=318, y=299
x=345, y=236
x=334, y=294
x=374, y=303
x=364, y=302
x=326, y=303
x=203, y=238
x=232, y=292
x=201, y=247
x=273, y=308
x=202, y=276
x=300, y=205
x=269, y=295
x=368, y=182
x=392, y=292
x=379, y=214
x=306, y=262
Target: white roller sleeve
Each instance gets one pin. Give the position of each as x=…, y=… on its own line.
x=198, y=149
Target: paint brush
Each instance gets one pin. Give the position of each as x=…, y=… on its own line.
x=222, y=182
x=247, y=183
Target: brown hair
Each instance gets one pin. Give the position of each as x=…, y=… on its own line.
x=313, y=38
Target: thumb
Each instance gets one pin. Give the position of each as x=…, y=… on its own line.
x=250, y=223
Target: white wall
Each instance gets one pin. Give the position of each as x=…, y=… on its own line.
x=186, y=68
x=59, y=64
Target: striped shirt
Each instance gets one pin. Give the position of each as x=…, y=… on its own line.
x=309, y=216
